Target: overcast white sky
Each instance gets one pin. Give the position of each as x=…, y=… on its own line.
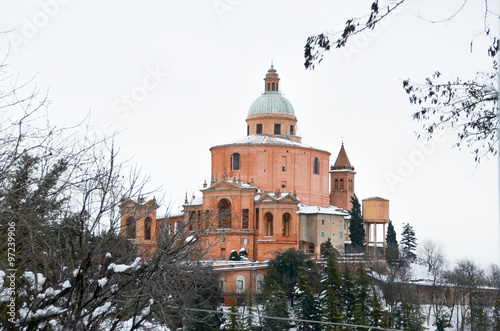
x=179, y=77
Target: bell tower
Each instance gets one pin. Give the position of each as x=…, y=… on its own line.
x=271, y=82
x=342, y=181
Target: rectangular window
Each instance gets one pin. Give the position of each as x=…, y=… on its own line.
x=322, y=234
x=239, y=284
x=259, y=128
x=192, y=220
x=291, y=130
x=283, y=163
x=223, y=240
x=322, y=222
x=305, y=233
x=235, y=161
x=340, y=234
x=340, y=222
x=223, y=254
x=259, y=285
x=245, y=241
x=248, y=130
x=283, y=184
x=256, y=218
x=277, y=128
x=245, y=217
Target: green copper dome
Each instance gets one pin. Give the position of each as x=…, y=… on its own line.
x=271, y=103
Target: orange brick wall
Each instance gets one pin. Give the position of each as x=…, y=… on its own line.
x=262, y=164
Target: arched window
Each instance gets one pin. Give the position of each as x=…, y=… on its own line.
x=286, y=224
x=273, y=87
x=269, y=86
x=235, y=161
x=269, y=224
x=147, y=228
x=224, y=214
x=130, y=228
x=259, y=283
x=240, y=284
x=341, y=184
x=316, y=166
x=336, y=185
x=222, y=284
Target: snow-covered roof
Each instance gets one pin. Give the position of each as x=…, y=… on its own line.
x=264, y=139
x=282, y=195
x=332, y=210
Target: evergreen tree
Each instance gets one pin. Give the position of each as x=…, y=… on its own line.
x=442, y=321
x=408, y=243
x=356, y=228
x=234, y=324
x=275, y=302
x=348, y=296
x=248, y=324
x=307, y=304
x=327, y=248
x=478, y=317
x=362, y=299
x=392, y=250
x=287, y=266
x=330, y=299
x=496, y=315
x=376, y=310
x=408, y=314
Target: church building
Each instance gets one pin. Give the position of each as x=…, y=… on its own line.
x=268, y=192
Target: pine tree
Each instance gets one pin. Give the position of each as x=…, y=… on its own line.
x=496, y=315
x=356, y=228
x=327, y=248
x=362, y=292
x=248, y=324
x=234, y=324
x=408, y=314
x=330, y=299
x=408, y=243
x=348, y=296
x=392, y=250
x=307, y=304
x=287, y=265
x=376, y=311
x=275, y=302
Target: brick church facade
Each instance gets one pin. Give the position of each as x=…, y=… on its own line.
x=267, y=192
